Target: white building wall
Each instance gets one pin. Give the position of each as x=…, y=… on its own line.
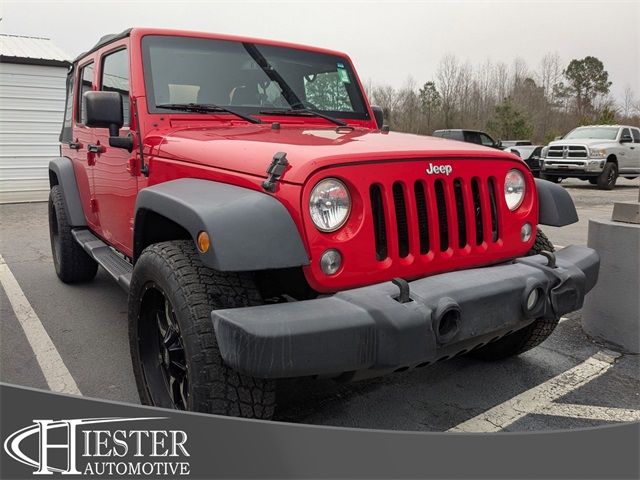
x=31, y=110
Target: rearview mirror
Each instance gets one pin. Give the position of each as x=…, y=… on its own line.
x=378, y=113
x=104, y=110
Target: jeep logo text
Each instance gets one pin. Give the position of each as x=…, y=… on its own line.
x=442, y=169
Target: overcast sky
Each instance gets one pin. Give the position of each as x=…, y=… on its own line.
x=387, y=41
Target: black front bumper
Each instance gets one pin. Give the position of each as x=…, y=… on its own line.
x=367, y=331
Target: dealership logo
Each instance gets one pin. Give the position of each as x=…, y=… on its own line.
x=89, y=447
x=441, y=169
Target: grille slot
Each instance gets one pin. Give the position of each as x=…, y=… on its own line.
x=443, y=223
x=379, y=227
x=401, y=219
x=494, y=211
x=477, y=208
x=462, y=222
x=423, y=220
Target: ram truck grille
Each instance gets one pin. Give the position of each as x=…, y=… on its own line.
x=567, y=151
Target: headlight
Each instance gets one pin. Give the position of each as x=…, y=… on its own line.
x=544, y=151
x=597, y=152
x=329, y=204
x=514, y=188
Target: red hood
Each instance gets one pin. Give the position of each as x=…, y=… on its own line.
x=250, y=148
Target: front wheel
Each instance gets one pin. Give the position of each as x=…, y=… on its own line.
x=176, y=360
x=530, y=336
x=551, y=178
x=607, y=179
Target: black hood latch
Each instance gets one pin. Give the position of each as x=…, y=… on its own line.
x=275, y=171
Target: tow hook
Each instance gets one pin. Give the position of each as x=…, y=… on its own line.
x=403, y=285
x=551, y=258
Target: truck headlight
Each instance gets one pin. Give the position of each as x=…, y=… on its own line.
x=514, y=188
x=543, y=152
x=597, y=152
x=329, y=204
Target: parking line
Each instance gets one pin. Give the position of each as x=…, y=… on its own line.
x=536, y=398
x=53, y=368
x=590, y=412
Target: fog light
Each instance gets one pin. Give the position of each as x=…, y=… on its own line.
x=525, y=232
x=532, y=299
x=330, y=262
x=203, y=242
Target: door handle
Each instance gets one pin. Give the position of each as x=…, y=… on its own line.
x=92, y=148
x=75, y=145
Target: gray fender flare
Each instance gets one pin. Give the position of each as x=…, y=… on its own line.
x=556, y=206
x=62, y=167
x=249, y=230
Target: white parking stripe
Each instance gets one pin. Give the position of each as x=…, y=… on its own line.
x=590, y=412
x=53, y=368
x=530, y=401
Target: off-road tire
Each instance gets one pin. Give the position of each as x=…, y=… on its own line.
x=607, y=179
x=530, y=336
x=71, y=262
x=194, y=291
x=551, y=178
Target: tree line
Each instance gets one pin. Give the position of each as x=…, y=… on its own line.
x=509, y=101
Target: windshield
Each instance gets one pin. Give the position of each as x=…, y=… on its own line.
x=248, y=77
x=601, y=133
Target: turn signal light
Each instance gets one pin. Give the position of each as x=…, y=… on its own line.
x=203, y=242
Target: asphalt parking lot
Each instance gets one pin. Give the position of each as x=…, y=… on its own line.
x=567, y=382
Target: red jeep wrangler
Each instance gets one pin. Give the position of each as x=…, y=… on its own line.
x=267, y=225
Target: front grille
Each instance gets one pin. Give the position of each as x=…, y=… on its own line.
x=567, y=151
x=433, y=216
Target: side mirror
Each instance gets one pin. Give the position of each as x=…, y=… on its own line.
x=379, y=115
x=626, y=139
x=498, y=144
x=104, y=110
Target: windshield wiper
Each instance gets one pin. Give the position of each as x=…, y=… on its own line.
x=207, y=108
x=304, y=111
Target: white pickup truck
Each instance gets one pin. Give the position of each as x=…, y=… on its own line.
x=597, y=153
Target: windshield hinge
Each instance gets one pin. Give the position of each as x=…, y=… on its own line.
x=275, y=171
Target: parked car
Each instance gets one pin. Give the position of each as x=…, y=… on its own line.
x=470, y=136
x=597, y=153
x=265, y=225
x=530, y=154
x=514, y=143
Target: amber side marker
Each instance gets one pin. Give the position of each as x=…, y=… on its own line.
x=203, y=242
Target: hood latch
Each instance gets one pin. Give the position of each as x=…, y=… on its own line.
x=275, y=171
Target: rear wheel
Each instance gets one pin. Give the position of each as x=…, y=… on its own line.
x=71, y=262
x=530, y=336
x=176, y=360
x=607, y=179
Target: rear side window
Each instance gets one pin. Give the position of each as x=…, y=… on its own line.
x=86, y=81
x=115, y=78
x=66, y=134
x=636, y=135
x=472, y=137
x=625, y=133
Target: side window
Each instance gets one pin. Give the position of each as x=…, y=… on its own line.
x=66, y=134
x=486, y=140
x=636, y=135
x=625, y=133
x=86, y=81
x=472, y=137
x=115, y=78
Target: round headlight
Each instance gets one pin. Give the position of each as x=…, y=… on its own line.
x=514, y=188
x=329, y=204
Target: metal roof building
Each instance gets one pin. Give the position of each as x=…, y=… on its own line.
x=32, y=95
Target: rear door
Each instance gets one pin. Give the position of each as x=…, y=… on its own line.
x=626, y=159
x=80, y=137
x=115, y=187
x=635, y=149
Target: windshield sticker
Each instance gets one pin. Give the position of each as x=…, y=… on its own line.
x=343, y=74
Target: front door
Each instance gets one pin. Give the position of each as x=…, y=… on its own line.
x=115, y=187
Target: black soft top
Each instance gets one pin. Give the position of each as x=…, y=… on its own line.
x=105, y=40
